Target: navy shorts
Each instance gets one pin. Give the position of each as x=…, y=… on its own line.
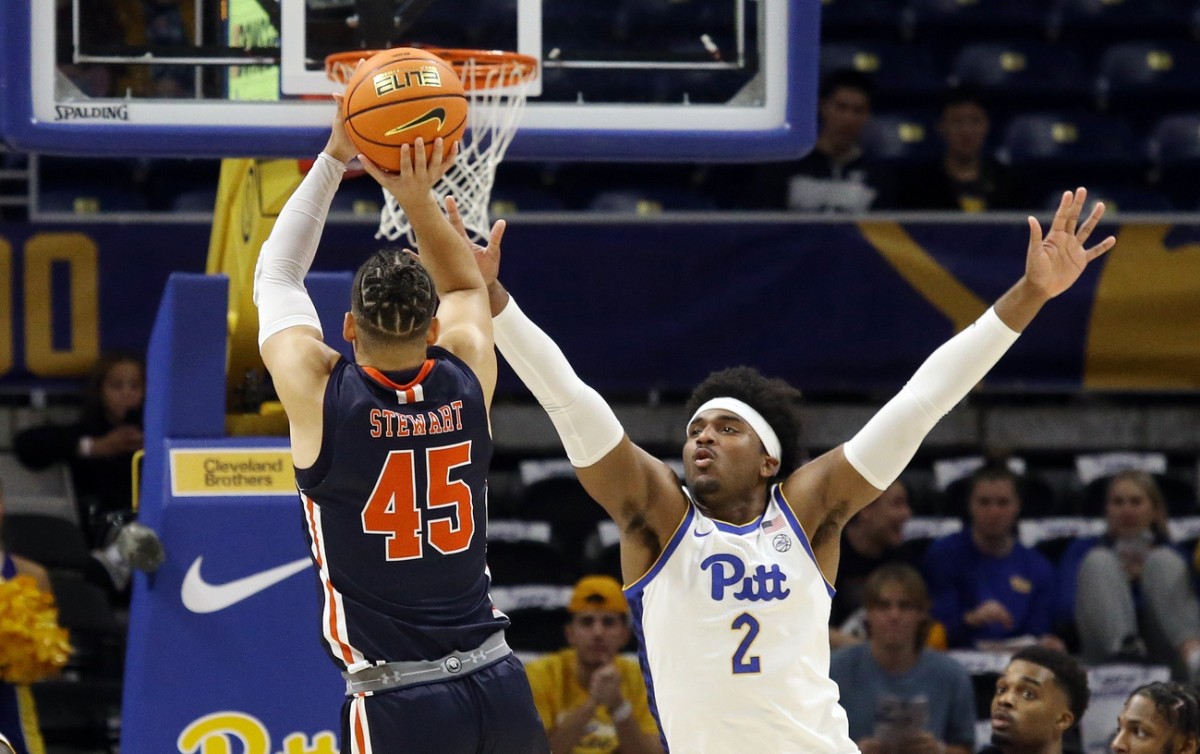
x=487, y=712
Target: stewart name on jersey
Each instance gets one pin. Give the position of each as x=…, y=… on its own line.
x=396, y=513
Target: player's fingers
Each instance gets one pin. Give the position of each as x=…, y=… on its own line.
x=1089, y=225
x=406, y=159
x=435, y=159
x=1100, y=248
x=1035, y=232
x=1060, y=215
x=372, y=169
x=1076, y=209
x=420, y=157
x=497, y=234
x=454, y=216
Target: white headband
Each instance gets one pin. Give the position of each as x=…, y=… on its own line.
x=747, y=414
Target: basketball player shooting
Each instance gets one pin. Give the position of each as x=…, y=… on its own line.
x=731, y=573
x=391, y=453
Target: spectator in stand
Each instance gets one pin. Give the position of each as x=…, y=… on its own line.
x=987, y=587
x=592, y=700
x=1040, y=697
x=873, y=537
x=966, y=177
x=1129, y=589
x=900, y=697
x=836, y=176
x=99, y=450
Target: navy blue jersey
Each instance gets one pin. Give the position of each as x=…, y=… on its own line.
x=396, y=513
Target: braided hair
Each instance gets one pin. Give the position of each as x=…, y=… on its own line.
x=1177, y=703
x=777, y=401
x=393, y=296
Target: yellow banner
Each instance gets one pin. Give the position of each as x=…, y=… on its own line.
x=224, y=472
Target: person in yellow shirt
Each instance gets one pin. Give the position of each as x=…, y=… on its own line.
x=591, y=700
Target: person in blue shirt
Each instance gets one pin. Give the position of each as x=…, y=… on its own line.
x=898, y=695
x=986, y=586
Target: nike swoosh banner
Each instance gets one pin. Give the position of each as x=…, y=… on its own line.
x=224, y=642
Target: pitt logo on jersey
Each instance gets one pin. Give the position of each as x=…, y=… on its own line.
x=729, y=571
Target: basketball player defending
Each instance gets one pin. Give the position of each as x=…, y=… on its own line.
x=730, y=575
x=391, y=454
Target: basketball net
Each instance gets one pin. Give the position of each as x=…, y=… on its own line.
x=497, y=85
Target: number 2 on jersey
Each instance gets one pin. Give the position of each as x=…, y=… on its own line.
x=742, y=664
x=393, y=510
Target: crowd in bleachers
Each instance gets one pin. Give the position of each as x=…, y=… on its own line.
x=1087, y=91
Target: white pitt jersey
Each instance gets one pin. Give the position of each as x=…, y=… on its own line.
x=733, y=633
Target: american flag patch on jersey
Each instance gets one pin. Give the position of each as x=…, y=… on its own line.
x=774, y=525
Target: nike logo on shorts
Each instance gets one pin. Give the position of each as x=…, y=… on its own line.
x=199, y=596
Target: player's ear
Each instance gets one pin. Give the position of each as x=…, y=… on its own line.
x=770, y=467
x=348, y=331
x=435, y=328
x=1065, y=721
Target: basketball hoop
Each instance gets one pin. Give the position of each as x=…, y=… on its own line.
x=496, y=84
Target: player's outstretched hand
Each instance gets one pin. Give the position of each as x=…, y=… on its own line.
x=339, y=146
x=1057, y=260
x=414, y=183
x=487, y=257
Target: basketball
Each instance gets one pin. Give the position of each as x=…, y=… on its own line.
x=399, y=95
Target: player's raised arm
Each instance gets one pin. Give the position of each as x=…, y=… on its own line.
x=465, y=325
x=289, y=332
x=619, y=475
x=849, y=477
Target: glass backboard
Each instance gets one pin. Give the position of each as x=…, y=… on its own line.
x=654, y=80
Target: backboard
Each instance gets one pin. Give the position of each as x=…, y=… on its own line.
x=650, y=80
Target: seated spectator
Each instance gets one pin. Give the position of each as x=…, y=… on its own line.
x=1040, y=698
x=99, y=447
x=987, y=587
x=591, y=699
x=966, y=177
x=99, y=450
x=1159, y=718
x=899, y=696
x=836, y=176
x=873, y=537
x=1129, y=589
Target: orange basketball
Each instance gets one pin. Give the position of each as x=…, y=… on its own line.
x=401, y=94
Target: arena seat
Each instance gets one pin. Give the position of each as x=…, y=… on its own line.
x=1121, y=19
x=1031, y=74
x=860, y=18
x=1174, y=150
x=51, y=541
x=901, y=73
x=982, y=19
x=1158, y=75
x=902, y=138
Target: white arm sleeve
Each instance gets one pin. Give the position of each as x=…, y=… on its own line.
x=882, y=448
x=288, y=252
x=586, y=424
